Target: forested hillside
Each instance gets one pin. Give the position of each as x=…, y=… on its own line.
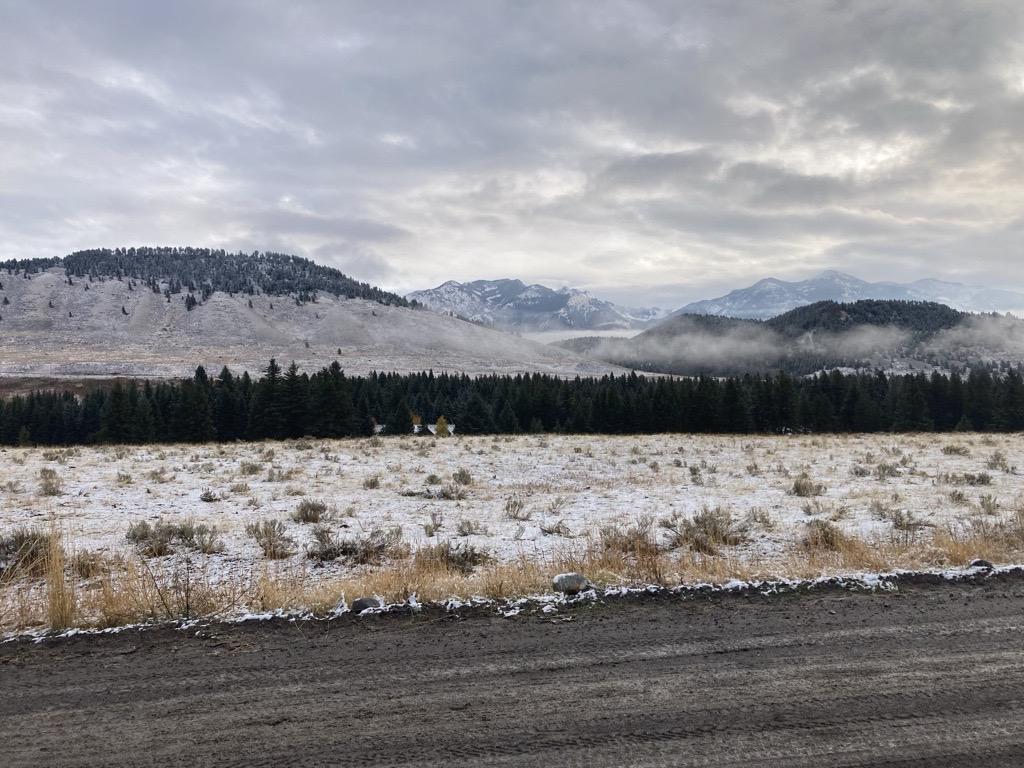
x=922, y=318
x=202, y=271
x=288, y=403
x=868, y=334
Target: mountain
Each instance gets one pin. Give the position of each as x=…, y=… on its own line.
x=512, y=305
x=896, y=336
x=161, y=312
x=770, y=297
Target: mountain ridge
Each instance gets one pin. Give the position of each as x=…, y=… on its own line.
x=510, y=304
x=770, y=297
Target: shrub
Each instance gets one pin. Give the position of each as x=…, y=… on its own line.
x=706, y=531
x=158, y=539
x=883, y=471
x=89, y=565
x=805, y=487
x=208, y=496
x=967, y=478
x=823, y=535
x=469, y=528
x=207, y=541
x=325, y=546
x=515, y=509
x=309, y=511
x=998, y=461
x=762, y=518
x=557, y=504
x=989, y=504
x=371, y=482
x=272, y=538
x=457, y=558
x=23, y=552
x=151, y=540
x=436, y=524
x=250, y=468
x=558, y=528
x=49, y=482
x=956, y=450
x=371, y=549
x=449, y=492
x=433, y=479
x=637, y=539
x=462, y=477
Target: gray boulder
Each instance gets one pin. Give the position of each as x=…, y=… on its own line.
x=360, y=604
x=571, y=583
x=979, y=563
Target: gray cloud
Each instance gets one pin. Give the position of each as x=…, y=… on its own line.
x=638, y=149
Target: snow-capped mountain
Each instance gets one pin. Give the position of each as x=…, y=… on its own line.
x=513, y=305
x=770, y=297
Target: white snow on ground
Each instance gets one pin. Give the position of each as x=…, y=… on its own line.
x=585, y=482
x=106, y=328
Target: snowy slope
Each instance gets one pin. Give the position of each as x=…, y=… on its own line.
x=48, y=327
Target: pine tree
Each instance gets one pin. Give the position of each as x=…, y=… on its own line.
x=507, y=421
x=476, y=417
x=400, y=422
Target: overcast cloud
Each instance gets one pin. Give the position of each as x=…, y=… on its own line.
x=652, y=152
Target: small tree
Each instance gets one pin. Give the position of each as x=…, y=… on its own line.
x=441, y=427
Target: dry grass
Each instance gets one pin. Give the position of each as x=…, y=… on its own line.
x=132, y=590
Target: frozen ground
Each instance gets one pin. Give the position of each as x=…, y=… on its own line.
x=880, y=485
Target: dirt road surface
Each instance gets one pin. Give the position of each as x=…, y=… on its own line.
x=928, y=676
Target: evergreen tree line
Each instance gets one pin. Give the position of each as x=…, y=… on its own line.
x=289, y=403
x=205, y=270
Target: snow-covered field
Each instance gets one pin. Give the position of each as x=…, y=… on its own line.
x=874, y=486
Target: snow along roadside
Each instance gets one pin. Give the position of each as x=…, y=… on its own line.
x=889, y=581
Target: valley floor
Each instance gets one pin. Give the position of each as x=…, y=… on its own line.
x=634, y=509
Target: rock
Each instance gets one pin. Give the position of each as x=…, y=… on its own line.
x=571, y=583
x=361, y=604
x=981, y=564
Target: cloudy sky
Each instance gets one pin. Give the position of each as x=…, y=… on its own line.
x=652, y=152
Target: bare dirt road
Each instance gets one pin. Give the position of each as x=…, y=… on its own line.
x=929, y=676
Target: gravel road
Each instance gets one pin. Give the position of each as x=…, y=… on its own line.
x=927, y=676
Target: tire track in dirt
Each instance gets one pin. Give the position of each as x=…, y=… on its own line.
x=929, y=676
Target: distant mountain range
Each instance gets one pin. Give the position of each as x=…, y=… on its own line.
x=771, y=297
x=514, y=306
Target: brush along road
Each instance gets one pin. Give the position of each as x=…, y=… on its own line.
x=931, y=675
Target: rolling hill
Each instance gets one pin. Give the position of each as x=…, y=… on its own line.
x=160, y=312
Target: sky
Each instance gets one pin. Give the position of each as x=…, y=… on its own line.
x=650, y=152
